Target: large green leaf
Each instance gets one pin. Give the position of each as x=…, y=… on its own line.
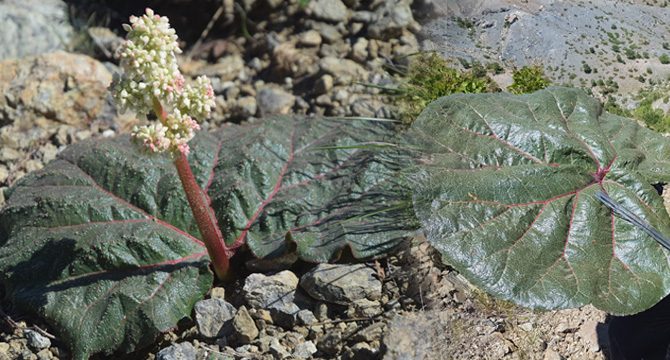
x=506, y=192
x=102, y=245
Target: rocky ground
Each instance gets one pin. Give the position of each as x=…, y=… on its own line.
x=613, y=48
x=316, y=57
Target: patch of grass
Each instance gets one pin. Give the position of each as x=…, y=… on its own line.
x=655, y=119
x=528, y=79
x=613, y=108
x=465, y=23
x=493, y=306
x=664, y=59
x=430, y=77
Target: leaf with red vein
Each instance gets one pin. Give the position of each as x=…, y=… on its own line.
x=534, y=231
x=308, y=182
x=101, y=243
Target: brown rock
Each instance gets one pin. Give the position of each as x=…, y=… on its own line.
x=244, y=326
x=56, y=87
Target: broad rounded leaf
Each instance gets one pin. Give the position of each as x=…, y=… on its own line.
x=323, y=185
x=94, y=244
x=506, y=190
x=101, y=243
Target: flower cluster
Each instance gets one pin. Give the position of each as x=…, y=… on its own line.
x=152, y=82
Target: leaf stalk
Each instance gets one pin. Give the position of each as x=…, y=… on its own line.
x=204, y=215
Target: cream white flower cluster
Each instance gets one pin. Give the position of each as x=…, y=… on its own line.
x=152, y=82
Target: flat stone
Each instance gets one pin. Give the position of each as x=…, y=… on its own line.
x=273, y=100
x=244, y=327
x=213, y=317
x=328, y=10
x=276, y=293
x=343, y=70
x=181, y=351
x=37, y=341
x=305, y=350
x=342, y=284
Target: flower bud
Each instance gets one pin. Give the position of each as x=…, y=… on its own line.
x=152, y=76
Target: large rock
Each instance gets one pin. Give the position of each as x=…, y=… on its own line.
x=55, y=88
x=276, y=293
x=214, y=317
x=31, y=27
x=342, y=284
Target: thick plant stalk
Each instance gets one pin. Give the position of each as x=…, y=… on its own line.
x=204, y=217
x=202, y=212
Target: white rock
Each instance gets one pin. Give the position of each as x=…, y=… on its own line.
x=36, y=340
x=305, y=350
x=181, y=351
x=342, y=284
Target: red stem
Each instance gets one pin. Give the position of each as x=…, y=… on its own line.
x=202, y=212
x=204, y=217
